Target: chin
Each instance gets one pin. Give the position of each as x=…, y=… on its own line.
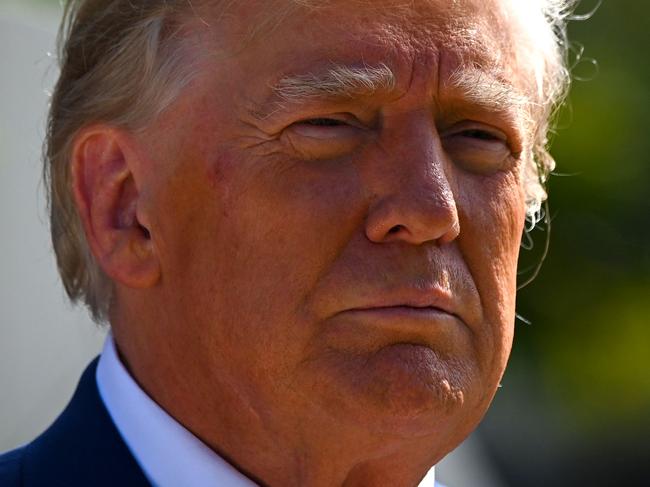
x=409, y=390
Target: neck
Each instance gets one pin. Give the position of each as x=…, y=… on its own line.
x=270, y=446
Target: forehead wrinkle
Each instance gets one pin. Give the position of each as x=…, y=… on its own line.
x=467, y=39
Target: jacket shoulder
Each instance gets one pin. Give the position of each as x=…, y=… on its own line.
x=81, y=448
x=11, y=465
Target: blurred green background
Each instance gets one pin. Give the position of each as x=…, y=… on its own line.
x=575, y=404
x=574, y=408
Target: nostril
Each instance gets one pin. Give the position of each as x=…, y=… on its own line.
x=395, y=229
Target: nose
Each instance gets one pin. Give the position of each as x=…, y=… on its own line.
x=413, y=199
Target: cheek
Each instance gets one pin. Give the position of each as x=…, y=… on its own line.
x=492, y=213
x=303, y=211
x=256, y=239
x=287, y=223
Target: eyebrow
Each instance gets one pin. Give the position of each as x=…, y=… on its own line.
x=471, y=86
x=337, y=82
x=487, y=91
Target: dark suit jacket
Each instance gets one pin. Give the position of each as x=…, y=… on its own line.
x=81, y=448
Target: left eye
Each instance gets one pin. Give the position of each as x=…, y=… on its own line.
x=481, y=135
x=477, y=148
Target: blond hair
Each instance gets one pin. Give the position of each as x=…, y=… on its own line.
x=123, y=62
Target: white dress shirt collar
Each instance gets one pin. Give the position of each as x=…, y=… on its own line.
x=168, y=454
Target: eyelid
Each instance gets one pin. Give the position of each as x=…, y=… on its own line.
x=478, y=154
x=348, y=126
x=316, y=142
x=467, y=126
x=343, y=118
x=509, y=136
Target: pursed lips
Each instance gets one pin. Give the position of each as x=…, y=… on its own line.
x=399, y=322
x=433, y=315
x=402, y=313
x=420, y=308
x=411, y=299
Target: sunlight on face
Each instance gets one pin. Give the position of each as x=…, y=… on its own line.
x=348, y=253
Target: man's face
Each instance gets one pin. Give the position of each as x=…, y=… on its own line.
x=343, y=259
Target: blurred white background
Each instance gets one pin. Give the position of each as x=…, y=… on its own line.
x=44, y=342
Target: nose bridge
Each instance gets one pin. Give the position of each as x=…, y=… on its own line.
x=419, y=156
x=414, y=200
x=412, y=150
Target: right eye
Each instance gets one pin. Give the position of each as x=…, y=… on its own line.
x=324, y=137
x=323, y=122
x=331, y=127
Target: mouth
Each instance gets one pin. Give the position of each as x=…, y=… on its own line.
x=416, y=324
x=408, y=314
x=404, y=308
x=403, y=312
x=433, y=303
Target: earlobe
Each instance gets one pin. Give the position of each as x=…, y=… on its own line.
x=107, y=197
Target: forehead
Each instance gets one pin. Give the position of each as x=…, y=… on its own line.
x=477, y=31
x=253, y=46
x=271, y=39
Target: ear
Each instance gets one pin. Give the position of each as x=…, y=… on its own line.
x=106, y=194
